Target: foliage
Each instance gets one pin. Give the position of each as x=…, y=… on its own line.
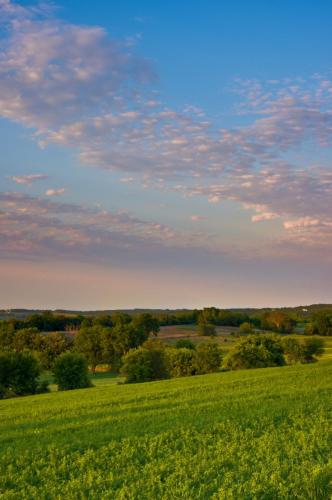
x=312, y=347
x=144, y=365
x=206, y=329
x=50, y=346
x=88, y=342
x=278, y=321
x=7, y=332
x=188, y=344
x=19, y=374
x=147, y=323
x=235, y=435
x=255, y=351
x=245, y=327
x=208, y=357
x=181, y=362
x=293, y=350
x=321, y=323
x=302, y=352
x=71, y=371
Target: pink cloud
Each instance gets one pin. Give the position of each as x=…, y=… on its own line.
x=28, y=179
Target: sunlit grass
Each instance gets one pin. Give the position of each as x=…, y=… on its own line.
x=248, y=434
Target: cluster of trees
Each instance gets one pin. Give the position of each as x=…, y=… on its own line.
x=124, y=342
x=277, y=321
x=94, y=343
x=321, y=323
x=45, y=347
x=107, y=344
x=282, y=321
x=46, y=322
x=155, y=360
x=19, y=375
x=264, y=350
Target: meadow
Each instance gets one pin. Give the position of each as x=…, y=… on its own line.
x=250, y=434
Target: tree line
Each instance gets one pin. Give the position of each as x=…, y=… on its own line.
x=319, y=322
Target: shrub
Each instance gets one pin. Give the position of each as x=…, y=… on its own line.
x=312, y=347
x=144, y=365
x=305, y=352
x=188, y=344
x=19, y=374
x=255, y=351
x=208, y=359
x=321, y=324
x=245, y=328
x=206, y=329
x=182, y=362
x=293, y=350
x=70, y=371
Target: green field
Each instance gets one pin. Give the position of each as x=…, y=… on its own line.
x=262, y=434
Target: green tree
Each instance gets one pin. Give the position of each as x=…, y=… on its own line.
x=321, y=323
x=278, y=321
x=206, y=329
x=312, y=348
x=188, y=344
x=208, y=359
x=147, y=323
x=88, y=342
x=19, y=373
x=27, y=339
x=255, y=351
x=50, y=346
x=70, y=371
x=144, y=365
x=245, y=328
x=7, y=333
x=293, y=350
x=181, y=362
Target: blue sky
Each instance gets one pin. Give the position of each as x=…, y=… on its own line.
x=174, y=154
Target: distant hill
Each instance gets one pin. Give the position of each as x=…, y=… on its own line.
x=304, y=310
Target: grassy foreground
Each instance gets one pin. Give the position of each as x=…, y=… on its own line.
x=262, y=434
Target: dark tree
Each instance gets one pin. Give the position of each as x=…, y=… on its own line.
x=19, y=373
x=144, y=365
x=255, y=351
x=208, y=359
x=71, y=371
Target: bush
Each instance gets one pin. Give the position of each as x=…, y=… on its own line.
x=144, y=365
x=70, y=371
x=245, y=328
x=255, y=351
x=188, y=344
x=19, y=373
x=312, y=348
x=305, y=352
x=208, y=359
x=293, y=350
x=206, y=329
x=321, y=324
x=181, y=362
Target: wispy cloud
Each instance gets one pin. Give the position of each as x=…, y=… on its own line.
x=35, y=227
x=28, y=179
x=87, y=91
x=55, y=192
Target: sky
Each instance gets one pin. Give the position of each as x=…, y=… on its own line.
x=165, y=154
